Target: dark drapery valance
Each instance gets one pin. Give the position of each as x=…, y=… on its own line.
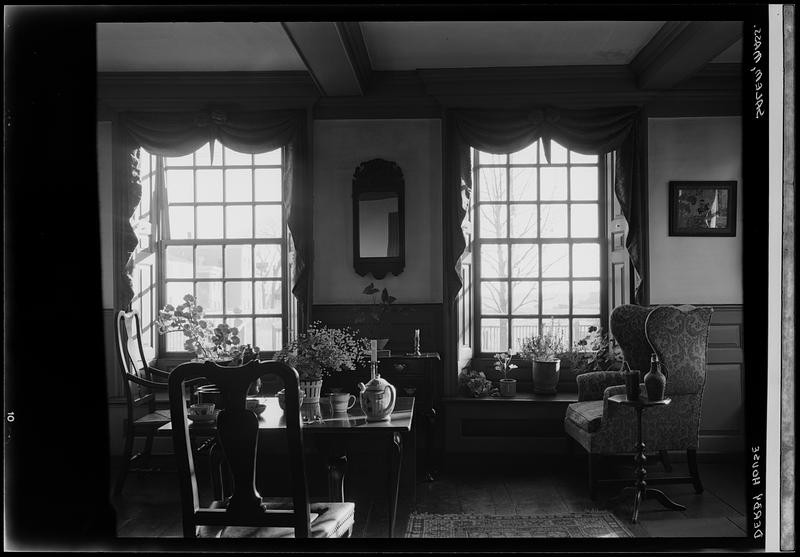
x=175, y=134
x=595, y=131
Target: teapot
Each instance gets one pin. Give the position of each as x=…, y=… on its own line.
x=377, y=399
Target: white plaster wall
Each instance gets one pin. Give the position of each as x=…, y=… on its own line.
x=339, y=147
x=685, y=269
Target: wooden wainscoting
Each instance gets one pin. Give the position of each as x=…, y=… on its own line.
x=722, y=423
x=398, y=323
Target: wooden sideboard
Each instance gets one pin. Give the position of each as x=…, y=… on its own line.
x=417, y=376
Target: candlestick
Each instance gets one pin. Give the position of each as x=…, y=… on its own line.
x=373, y=350
x=416, y=342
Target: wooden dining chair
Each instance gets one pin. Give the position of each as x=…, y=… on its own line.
x=243, y=513
x=141, y=382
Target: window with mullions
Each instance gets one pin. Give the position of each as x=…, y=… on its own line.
x=144, y=256
x=223, y=238
x=537, y=254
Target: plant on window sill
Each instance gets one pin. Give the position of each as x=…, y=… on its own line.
x=475, y=383
x=219, y=343
x=594, y=352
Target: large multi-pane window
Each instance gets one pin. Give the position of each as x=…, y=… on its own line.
x=538, y=245
x=222, y=237
x=144, y=258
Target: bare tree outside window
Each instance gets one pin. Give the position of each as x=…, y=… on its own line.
x=538, y=245
x=222, y=237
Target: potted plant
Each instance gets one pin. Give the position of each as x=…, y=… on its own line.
x=502, y=363
x=543, y=351
x=475, y=383
x=219, y=343
x=321, y=351
x=594, y=352
x=373, y=317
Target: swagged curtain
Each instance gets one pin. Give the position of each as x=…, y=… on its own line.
x=181, y=133
x=595, y=131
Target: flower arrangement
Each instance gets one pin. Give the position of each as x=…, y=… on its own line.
x=220, y=343
x=502, y=362
x=379, y=307
x=322, y=350
x=475, y=383
x=544, y=347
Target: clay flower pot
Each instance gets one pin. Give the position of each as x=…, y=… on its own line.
x=508, y=387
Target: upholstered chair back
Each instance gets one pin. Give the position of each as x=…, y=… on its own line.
x=627, y=326
x=679, y=335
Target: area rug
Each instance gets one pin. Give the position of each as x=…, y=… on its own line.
x=588, y=524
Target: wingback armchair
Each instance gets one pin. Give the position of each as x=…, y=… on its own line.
x=679, y=335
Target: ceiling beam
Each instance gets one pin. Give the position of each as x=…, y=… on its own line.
x=679, y=49
x=334, y=53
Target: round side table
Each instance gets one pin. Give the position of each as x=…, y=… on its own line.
x=640, y=486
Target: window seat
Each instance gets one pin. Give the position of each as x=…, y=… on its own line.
x=526, y=423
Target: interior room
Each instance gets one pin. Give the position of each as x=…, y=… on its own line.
x=445, y=206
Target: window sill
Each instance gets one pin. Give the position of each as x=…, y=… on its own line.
x=520, y=398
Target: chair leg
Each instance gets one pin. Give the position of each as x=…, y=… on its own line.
x=593, y=461
x=148, y=450
x=126, y=462
x=691, y=457
x=665, y=460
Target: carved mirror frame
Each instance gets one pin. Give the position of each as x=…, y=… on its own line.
x=379, y=175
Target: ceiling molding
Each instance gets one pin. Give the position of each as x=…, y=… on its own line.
x=660, y=41
x=327, y=56
x=187, y=90
x=353, y=40
x=532, y=82
x=680, y=49
x=715, y=90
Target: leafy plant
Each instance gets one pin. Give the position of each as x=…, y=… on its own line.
x=380, y=305
x=322, y=350
x=208, y=342
x=475, y=383
x=604, y=354
x=503, y=363
x=544, y=347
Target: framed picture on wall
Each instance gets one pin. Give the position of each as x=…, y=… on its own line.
x=702, y=208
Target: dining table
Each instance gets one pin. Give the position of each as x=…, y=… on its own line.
x=334, y=434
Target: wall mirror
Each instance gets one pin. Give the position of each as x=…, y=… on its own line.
x=378, y=219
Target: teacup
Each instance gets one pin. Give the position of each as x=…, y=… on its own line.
x=342, y=402
x=202, y=409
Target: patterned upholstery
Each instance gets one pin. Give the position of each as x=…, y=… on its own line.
x=627, y=325
x=679, y=335
x=592, y=385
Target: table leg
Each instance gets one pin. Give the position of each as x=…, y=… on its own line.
x=430, y=416
x=642, y=491
x=662, y=498
x=337, y=469
x=395, y=461
x=641, y=471
x=216, y=469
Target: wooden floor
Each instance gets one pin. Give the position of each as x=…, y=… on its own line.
x=513, y=485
